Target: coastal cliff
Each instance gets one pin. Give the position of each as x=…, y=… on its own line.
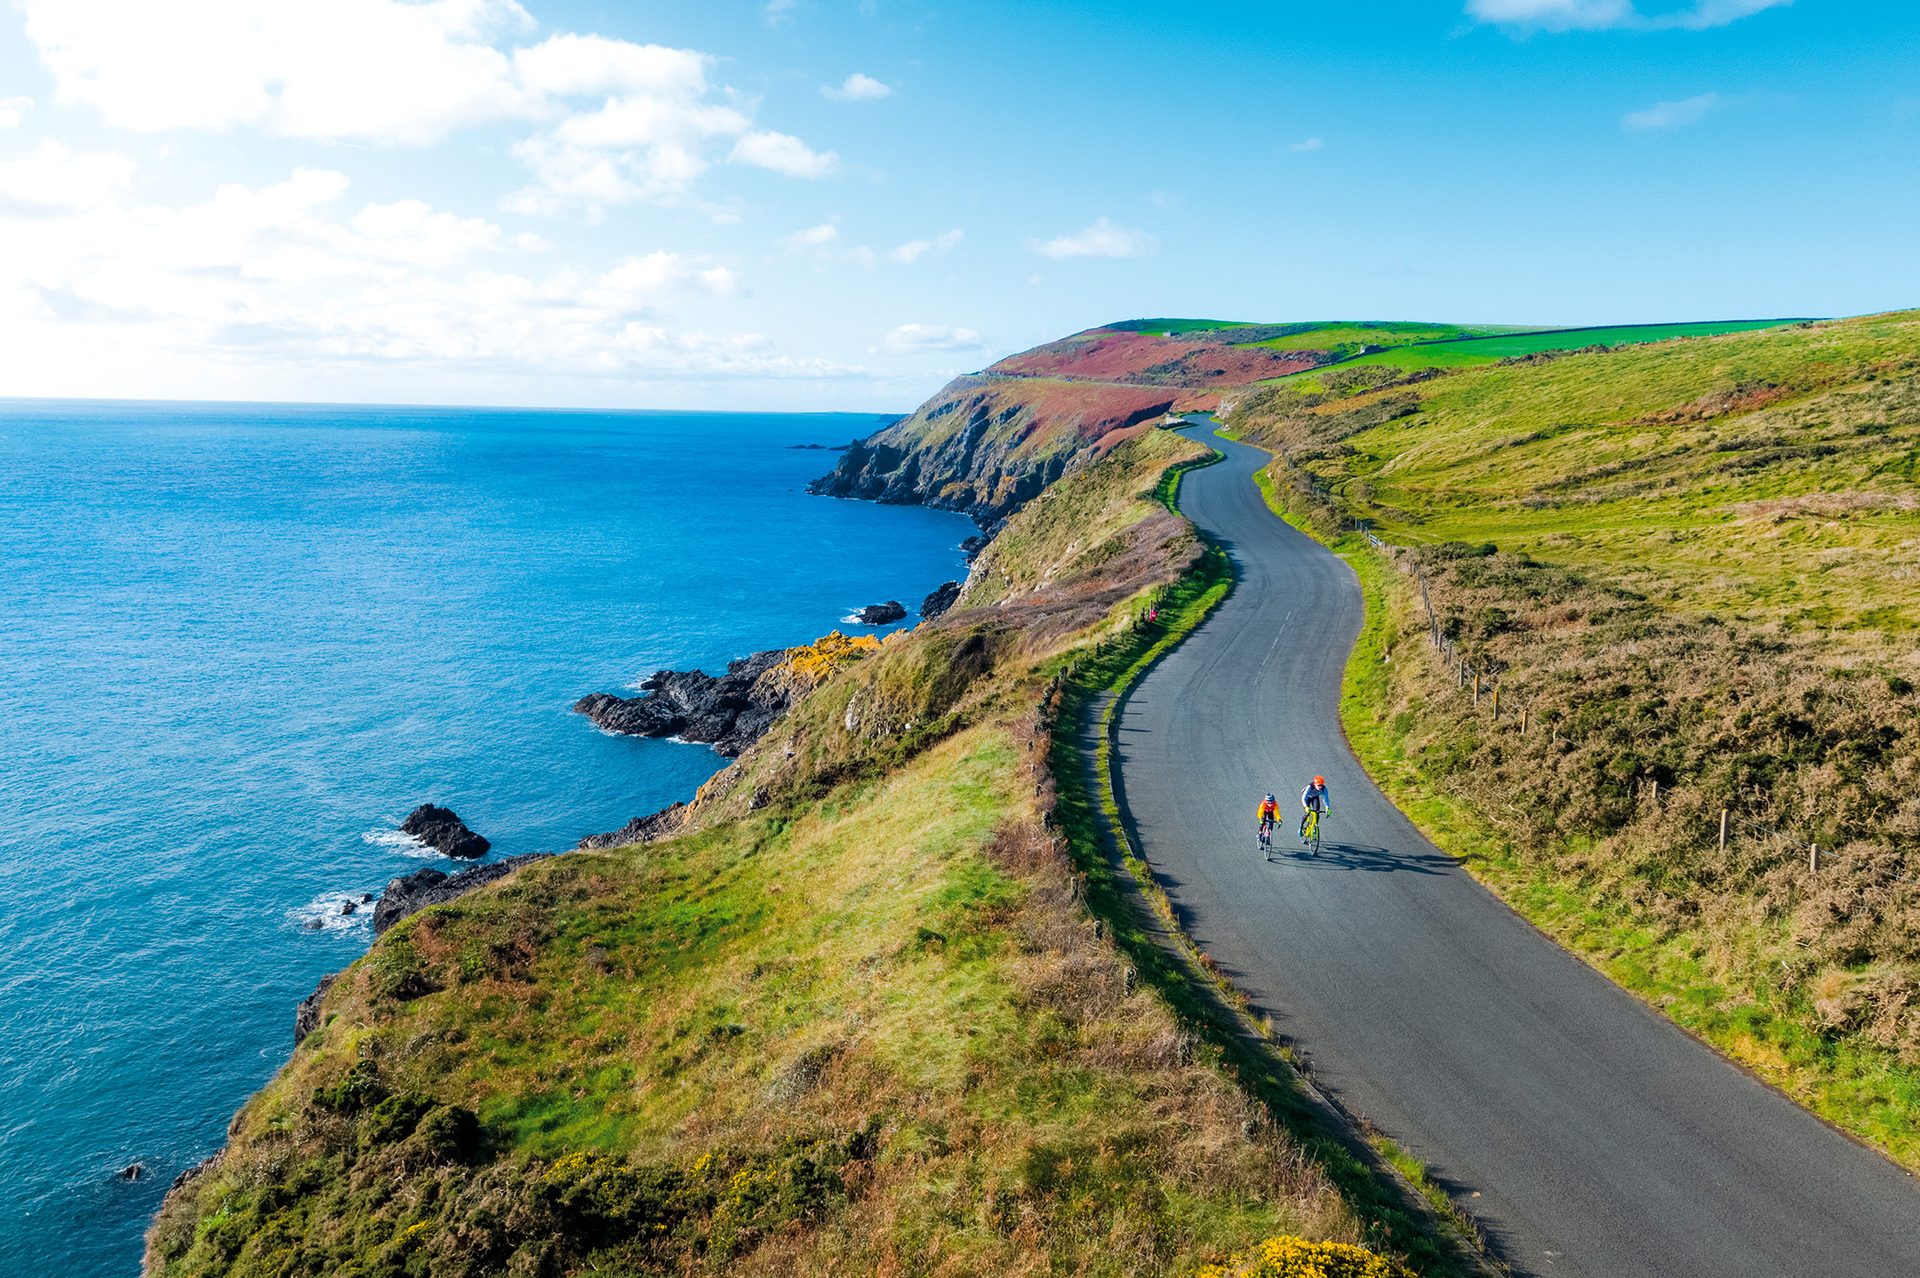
x=768, y=1032
x=990, y=442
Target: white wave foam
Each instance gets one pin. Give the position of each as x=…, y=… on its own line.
x=323, y=913
x=405, y=844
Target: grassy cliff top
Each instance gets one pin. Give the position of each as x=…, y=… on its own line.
x=855, y=1017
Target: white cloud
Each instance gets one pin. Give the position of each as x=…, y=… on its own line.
x=1307, y=144
x=909, y=339
x=569, y=65
x=1671, y=115
x=856, y=88
x=293, y=272
x=618, y=122
x=1715, y=13
x=415, y=233
x=813, y=237
x=13, y=110
x=777, y=12
x=783, y=153
x=1600, y=15
x=1102, y=239
x=913, y=250
x=55, y=177
x=370, y=70
x=1554, y=15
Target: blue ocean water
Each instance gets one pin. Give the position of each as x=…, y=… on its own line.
x=239, y=642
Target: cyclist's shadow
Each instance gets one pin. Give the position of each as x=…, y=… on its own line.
x=1375, y=860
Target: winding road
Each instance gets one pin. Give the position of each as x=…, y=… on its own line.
x=1586, y=1133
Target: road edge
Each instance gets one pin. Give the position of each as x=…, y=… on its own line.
x=1387, y=1188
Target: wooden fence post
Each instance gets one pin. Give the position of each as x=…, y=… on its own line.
x=1476, y=688
x=1723, y=829
x=1525, y=714
x=1656, y=789
x=1813, y=858
x=1496, y=701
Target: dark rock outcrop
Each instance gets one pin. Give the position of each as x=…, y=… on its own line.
x=644, y=829
x=414, y=892
x=972, y=546
x=729, y=712
x=440, y=829
x=135, y=1170
x=306, y=1013
x=881, y=614
x=987, y=445
x=194, y=1172
x=940, y=600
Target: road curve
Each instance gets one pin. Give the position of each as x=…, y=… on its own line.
x=1587, y=1134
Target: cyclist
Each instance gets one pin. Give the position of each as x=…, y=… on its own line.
x=1269, y=816
x=1313, y=799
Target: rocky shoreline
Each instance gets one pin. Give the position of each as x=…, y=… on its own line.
x=728, y=712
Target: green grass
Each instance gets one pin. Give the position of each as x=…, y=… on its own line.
x=1700, y=576
x=1753, y=1022
x=1173, y=325
x=1785, y=514
x=1337, y=335
x=1471, y=351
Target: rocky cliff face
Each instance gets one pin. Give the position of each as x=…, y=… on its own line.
x=987, y=445
x=990, y=442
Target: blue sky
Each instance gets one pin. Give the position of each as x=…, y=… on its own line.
x=815, y=204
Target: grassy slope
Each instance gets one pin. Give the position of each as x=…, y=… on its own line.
x=856, y=1019
x=1700, y=580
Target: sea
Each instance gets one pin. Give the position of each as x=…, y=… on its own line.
x=240, y=642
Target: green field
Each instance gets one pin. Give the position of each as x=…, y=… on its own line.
x=1470, y=351
x=1355, y=334
x=1171, y=326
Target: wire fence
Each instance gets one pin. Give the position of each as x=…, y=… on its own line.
x=1486, y=686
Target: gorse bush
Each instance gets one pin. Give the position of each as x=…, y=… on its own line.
x=1299, y=1258
x=819, y=659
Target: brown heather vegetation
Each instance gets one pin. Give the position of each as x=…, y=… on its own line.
x=1695, y=568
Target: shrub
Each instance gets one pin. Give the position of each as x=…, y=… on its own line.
x=817, y=660
x=1290, y=1257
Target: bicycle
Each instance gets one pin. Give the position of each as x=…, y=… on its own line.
x=1310, y=832
x=1265, y=837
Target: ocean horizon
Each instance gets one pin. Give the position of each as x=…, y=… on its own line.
x=245, y=639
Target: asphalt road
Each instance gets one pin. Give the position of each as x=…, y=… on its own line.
x=1587, y=1134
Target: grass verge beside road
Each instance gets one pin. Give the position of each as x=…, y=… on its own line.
x=1720, y=983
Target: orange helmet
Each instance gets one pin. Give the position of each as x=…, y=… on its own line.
x=1319, y=780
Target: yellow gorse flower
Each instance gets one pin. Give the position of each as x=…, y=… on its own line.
x=817, y=660
x=1289, y=1257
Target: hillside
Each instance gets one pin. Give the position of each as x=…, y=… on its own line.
x=857, y=1015
x=991, y=440
x=1687, y=568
